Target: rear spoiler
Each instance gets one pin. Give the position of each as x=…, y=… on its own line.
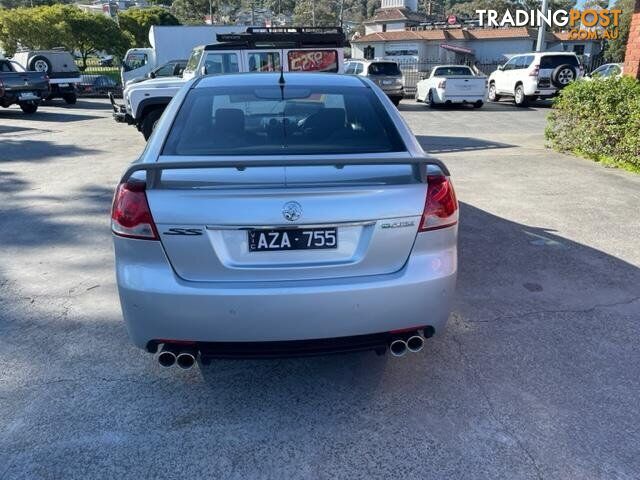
x=154, y=170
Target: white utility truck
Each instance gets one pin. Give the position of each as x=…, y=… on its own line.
x=169, y=43
x=449, y=84
x=259, y=49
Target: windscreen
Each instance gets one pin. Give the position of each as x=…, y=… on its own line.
x=384, y=68
x=554, y=61
x=288, y=120
x=452, y=71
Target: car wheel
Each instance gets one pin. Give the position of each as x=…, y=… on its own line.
x=519, y=97
x=478, y=104
x=396, y=100
x=432, y=104
x=563, y=75
x=40, y=64
x=493, y=95
x=70, y=98
x=417, y=98
x=29, y=107
x=149, y=123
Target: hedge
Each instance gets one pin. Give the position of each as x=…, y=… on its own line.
x=600, y=120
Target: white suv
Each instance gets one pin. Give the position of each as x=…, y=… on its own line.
x=530, y=76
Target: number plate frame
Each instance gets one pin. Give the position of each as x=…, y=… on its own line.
x=287, y=239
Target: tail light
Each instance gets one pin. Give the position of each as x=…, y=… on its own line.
x=442, y=84
x=534, y=72
x=441, y=205
x=130, y=214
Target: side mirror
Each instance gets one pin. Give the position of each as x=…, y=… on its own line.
x=501, y=67
x=203, y=70
x=152, y=74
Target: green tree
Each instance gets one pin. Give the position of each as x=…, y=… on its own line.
x=616, y=49
x=192, y=11
x=317, y=13
x=137, y=22
x=61, y=26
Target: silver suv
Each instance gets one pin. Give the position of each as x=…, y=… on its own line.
x=384, y=73
x=276, y=214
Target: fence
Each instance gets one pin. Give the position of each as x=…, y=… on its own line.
x=94, y=67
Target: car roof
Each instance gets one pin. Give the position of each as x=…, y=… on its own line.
x=305, y=79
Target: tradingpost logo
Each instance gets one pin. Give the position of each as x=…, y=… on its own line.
x=588, y=24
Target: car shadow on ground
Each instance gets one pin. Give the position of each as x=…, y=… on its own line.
x=49, y=115
x=501, y=106
x=441, y=144
x=17, y=150
x=70, y=373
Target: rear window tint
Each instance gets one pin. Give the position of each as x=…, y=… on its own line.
x=553, y=61
x=291, y=121
x=384, y=68
x=452, y=71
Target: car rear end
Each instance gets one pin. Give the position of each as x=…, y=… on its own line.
x=458, y=84
x=551, y=72
x=267, y=221
x=388, y=77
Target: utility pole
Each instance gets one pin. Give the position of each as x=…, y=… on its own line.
x=210, y=12
x=540, y=45
x=313, y=13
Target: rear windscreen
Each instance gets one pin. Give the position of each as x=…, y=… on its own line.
x=452, y=71
x=288, y=120
x=553, y=61
x=385, y=68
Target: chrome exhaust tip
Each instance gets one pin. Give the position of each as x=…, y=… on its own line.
x=166, y=358
x=398, y=348
x=415, y=343
x=185, y=360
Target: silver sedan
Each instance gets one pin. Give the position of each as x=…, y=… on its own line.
x=288, y=214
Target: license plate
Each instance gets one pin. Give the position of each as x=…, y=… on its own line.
x=268, y=240
x=28, y=96
x=63, y=84
x=387, y=82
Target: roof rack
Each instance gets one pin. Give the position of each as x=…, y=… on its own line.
x=283, y=37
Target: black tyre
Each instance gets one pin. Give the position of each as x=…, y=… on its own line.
x=40, y=63
x=29, y=108
x=432, y=104
x=478, y=104
x=563, y=75
x=70, y=98
x=493, y=96
x=519, y=97
x=149, y=122
x=396, y=100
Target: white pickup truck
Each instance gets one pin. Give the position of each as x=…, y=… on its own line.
x=259, y=49
x=449, y=84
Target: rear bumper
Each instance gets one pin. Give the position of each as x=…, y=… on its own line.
x=120, y=114
x=440, y=96
x=156, y=304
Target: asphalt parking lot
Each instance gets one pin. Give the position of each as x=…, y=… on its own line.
x=536, y=377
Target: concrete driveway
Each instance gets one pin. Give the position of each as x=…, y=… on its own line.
x=536, y=377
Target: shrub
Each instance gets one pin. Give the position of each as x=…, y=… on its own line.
x=599, y=120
